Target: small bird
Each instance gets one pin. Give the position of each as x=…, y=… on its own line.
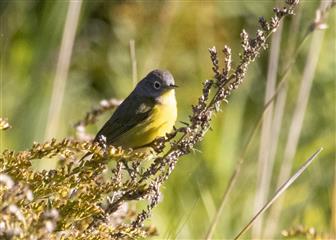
x=147, y=113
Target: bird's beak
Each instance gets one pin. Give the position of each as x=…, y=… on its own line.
x=172, y=86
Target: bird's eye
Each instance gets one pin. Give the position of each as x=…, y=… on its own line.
x=157, y=85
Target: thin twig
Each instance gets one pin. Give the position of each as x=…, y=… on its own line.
x=279, y=192
x=92, y=116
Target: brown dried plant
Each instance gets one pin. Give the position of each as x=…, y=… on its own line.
x=86, y=199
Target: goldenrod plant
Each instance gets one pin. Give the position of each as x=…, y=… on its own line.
x=111, y=194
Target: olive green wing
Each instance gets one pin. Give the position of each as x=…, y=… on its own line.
x=132, y=111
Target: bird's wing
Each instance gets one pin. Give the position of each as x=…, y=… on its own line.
x=132, y=111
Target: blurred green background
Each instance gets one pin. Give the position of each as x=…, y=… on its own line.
x=176, y=36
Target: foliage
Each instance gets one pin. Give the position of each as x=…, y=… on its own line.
x=83, y=198
x=102, y=198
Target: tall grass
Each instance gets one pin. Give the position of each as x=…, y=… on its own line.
x=267, y=139
x=294, y=131
x=62, y=69
x=170, y=35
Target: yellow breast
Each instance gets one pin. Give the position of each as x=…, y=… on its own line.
x=160, y=122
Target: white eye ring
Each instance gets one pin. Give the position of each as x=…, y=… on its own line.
x=157, y=85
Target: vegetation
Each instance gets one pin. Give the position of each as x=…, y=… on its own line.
x=49, y=191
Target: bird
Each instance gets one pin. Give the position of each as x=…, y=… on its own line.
x=149, y=112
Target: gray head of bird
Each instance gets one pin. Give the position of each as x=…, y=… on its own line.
x=155, y=84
